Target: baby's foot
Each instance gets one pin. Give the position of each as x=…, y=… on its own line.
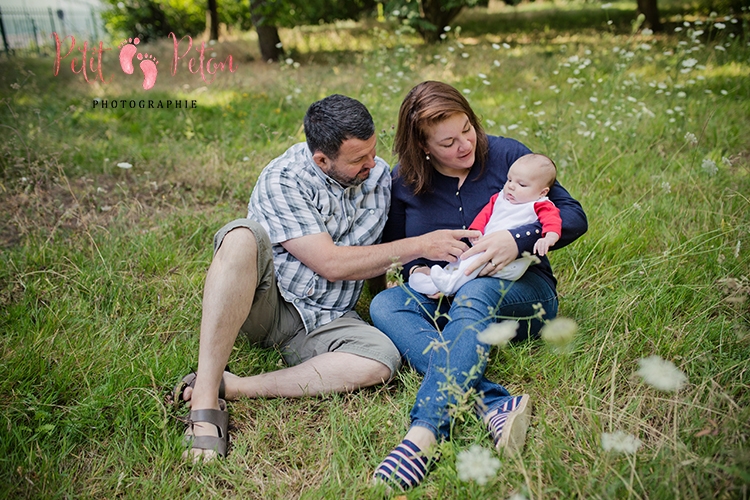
x=127, y=51
x=148, y=66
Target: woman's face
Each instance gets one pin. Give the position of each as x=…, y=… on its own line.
x=452, y=145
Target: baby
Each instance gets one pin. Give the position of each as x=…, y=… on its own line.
x=522, y=201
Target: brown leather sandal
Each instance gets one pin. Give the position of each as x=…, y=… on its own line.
x=219, y=419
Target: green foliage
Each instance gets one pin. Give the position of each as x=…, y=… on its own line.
x=428, y=17
x=291, y=13
x=153, y=19
x=101, y=269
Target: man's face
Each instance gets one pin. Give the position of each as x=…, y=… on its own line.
x=353, y=164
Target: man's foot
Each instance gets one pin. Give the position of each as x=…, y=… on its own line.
x=183, y=391
x=206, y=435
x=509, y=423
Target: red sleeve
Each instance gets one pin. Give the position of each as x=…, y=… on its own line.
x=483, y=217
x=549, y=216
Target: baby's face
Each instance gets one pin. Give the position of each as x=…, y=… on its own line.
x=526, y=183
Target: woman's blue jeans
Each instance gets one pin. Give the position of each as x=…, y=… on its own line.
x=446, y=350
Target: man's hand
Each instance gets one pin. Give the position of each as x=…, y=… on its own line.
x=499, y=249
x=446, y=244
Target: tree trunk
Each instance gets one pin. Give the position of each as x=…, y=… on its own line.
x=213, y=20
x=434, y=12
x=268, y=35
x=649, y=9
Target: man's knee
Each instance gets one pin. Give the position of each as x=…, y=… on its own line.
x=375, y=372
x=239, y=243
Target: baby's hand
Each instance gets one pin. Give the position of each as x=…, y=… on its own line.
x=473, y=241
x=542, y=245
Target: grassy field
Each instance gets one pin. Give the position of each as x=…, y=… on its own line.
x=102, y=266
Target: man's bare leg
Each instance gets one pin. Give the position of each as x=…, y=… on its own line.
x=326, y=373
x=227, y=297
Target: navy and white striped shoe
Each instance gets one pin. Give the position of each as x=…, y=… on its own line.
x=405, y=467
x=508, y=426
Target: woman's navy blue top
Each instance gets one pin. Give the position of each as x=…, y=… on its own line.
x=447, y=206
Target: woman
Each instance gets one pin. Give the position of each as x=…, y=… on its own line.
x=448, y=170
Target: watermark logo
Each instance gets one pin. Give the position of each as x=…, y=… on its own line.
x=148, y=63
x=90, y=64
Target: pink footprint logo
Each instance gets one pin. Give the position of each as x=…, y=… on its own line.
x=148, y=64
x=127, y=51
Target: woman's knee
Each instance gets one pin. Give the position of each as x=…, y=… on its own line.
x=384, y=304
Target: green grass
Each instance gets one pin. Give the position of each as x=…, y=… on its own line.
x=102, y=268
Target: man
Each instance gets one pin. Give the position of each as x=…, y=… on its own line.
x=291, y=273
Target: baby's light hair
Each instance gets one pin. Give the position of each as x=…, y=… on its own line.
x=545, y=163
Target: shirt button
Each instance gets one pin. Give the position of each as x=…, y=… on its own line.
x=372, y=211
x=537, y=231
x=456, y=193
x=349, y=217
x=464, y=227
x=528, y=233
x=460, y=209
x=518, y=235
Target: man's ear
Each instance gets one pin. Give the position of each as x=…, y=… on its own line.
x=320, y=159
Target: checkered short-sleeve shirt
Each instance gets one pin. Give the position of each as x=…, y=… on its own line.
x=294, y=198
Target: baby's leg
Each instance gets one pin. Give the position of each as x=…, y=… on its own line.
x=452, y=277
x=515, y=269
x=422, y=283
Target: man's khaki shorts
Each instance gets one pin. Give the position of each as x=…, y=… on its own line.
x=274, y=322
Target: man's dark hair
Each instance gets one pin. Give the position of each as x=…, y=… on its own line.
x=334, y=119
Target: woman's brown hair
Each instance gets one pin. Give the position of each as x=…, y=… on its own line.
x=425, y=105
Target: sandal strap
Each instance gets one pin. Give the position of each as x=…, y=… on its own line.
x=217, y=444
x=217, y=418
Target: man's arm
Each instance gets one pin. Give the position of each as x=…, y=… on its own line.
x=350, y=263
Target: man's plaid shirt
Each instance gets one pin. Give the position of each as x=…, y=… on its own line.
x=294, y=198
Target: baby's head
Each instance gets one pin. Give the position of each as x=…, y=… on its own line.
x=529, y=178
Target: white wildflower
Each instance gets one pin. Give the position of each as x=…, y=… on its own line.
x=709, y=166
x=499, y=333
x=666, y=187
x=495, y=46
x=476, y=464
x=647, y=32
x=720, y=48
x=726, y=161
x=620, y=442
x=466, y=91
x=720, y=26
x=661, y=374
x=606, y=6
x=691, y=139
x=689, y=63
x=681, y=95
x=125, y=165
x=737, y=248
x=559, y=331
x=506, y=46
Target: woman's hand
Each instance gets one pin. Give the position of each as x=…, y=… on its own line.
x=499, y=249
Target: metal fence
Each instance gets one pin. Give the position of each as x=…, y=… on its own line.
x=28, y=31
